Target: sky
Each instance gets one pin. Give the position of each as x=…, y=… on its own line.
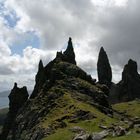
x=34, y=30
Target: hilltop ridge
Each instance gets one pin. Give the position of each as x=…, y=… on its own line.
x=66, y=98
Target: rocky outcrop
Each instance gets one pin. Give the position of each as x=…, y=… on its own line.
x=59, y=83
x=129, y=86
x=49, y=73
x=95, y=136
x=17, y=98
x=104, y=68
x=39, y=80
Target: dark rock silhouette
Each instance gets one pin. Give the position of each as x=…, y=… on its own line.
x=39, y=80
x=129, y=86
x=104, y=68
x=17, y=98
x=55, y=70
x=57, y=80
x=64, y=64
x=69, y=54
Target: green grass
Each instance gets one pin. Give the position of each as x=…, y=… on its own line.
x=92, y=125
x=72, y=101
x=61, y=134
x=127, y=137
x=67, y=106
x=129, y=108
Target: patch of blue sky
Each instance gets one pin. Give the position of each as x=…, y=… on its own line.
x=10, y=17
x=1, y=7
x=24, y=40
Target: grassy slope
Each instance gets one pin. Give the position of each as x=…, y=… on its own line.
x=131, y=109
x=64, y=109
x=67, y=106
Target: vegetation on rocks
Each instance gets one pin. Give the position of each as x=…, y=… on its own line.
x=68, y=104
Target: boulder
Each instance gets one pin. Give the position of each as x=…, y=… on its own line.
x=93, y=136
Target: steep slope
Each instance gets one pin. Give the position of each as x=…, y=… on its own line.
x=63, y=95
x=64, y=104
x=67, y=104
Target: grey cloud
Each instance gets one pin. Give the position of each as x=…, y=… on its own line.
x=57, y=20
x=4, y=70
x=115, y=28
x=121, y=36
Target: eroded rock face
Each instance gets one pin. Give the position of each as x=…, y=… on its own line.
x=104, y=68
x=17, y=98
x=129, y=86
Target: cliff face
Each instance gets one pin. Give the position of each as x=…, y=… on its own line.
x=104, y=68
x=60, y=84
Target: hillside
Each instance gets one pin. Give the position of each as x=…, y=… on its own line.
x=67, y=104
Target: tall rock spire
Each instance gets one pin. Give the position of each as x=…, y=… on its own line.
x=104, y=68
x=39, y=79
x=69, y=54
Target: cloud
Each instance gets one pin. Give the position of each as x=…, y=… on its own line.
x=121, y=32
x=113, y=24
x=54, y=25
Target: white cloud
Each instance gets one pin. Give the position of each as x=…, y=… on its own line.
x=113, y=24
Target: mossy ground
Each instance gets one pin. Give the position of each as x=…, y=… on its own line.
x=133, y=136
x=131, y=109
x=67, y=105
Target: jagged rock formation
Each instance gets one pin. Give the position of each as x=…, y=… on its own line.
x=39, y=79
x=63, y=86
x=69, y=54
x=104, y=68
x=53, y=71
x=129, y=86
x=17, y=98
